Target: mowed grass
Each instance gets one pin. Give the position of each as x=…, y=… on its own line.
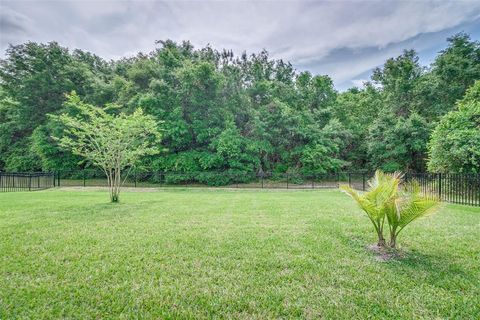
x=228, y=254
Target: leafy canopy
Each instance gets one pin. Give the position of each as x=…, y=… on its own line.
x=109, y=141
x=455, y=143
x=272, y=117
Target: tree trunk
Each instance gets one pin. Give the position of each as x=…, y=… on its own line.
x=393, y=241
x=114, y=198
x=381, y=242
x=381, y=239
x=115, y=186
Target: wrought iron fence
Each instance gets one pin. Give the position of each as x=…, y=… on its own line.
x=454, y=188
x=26, y=181
x=91, y=178
x=450, y=187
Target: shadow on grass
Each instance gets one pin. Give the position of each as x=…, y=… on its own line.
x=436, y=270
x=439, y=270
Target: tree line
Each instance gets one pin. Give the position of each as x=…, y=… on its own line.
x=249, y=113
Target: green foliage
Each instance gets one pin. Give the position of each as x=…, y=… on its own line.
x=456, y=69
x=34, y=80
x=388, y=198
x=357, y=109
x=408, y=205
x=398, y=143
x=414, y=98
x=455, y=142
x=375, y=202
x=221, y=112
x=108, y=141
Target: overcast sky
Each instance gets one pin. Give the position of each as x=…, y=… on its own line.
x=344, y=39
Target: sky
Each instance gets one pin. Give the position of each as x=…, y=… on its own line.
x=344, y=39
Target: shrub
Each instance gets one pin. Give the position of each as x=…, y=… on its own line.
x=387, y=198
x=382, y=188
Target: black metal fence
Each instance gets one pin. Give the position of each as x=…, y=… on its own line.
x=26, y=181
x=91, y=178
x=454, y=188
x=450, y=187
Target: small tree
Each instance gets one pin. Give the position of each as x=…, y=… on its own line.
x=399, y=203
x=382, y=188
x=114, y=143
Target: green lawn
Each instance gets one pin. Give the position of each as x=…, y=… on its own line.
x=227, y=254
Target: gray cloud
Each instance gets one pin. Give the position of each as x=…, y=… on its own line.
x=344, y=39
x=13, y=25
x=9, y=25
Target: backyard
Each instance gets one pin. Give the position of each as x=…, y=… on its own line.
x=213, y=253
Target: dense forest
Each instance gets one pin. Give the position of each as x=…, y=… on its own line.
x=250, y=113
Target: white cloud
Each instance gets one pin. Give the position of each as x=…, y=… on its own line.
x=359, y=83
x=306, y=33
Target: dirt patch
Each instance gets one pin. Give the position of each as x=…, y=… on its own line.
x=384, y=254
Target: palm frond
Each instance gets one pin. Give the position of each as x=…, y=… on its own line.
x=363, y=202
x=387, y=197
x=415, y=208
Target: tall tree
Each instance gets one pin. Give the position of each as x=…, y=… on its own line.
x=455, y=142
x=397, y=138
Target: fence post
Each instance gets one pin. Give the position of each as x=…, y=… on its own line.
x=349, y=179
x=29, y=182
x=58, y=177
x=287, y=179
x=478, y=189
x=262, y=180
x=363, y=181
x=135, y=178
x=83, y=177
x=440, y=186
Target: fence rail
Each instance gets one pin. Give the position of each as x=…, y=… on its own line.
x=450, y=187
x=200, y=179
x=26, y=181
x=454, y=188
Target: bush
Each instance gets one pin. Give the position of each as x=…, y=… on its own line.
x=387, y=198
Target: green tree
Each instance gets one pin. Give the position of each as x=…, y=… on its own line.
x=398, y=137
x=455, y=70
x=112, y=142
x=382, y=189
x=34, y=79
x=389, y=198
x=357, y=109
x=280, y=119
x=455, y=142
x=398, y=143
